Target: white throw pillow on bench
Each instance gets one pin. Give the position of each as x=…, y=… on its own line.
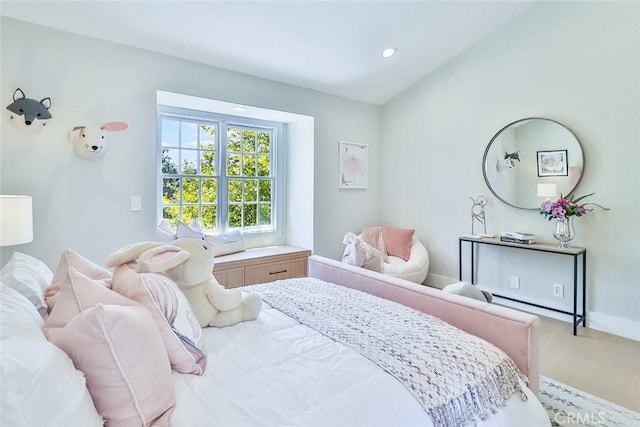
x=226, y=243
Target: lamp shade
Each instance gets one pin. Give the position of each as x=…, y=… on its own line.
x=547, y=190
x=16, y=220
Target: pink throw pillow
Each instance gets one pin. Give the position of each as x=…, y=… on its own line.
x=171, y=312
x=398, y=241
x=71, y=259
x=77, y=294
x=122, y=355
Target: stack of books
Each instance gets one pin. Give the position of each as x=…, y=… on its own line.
x=518, y=237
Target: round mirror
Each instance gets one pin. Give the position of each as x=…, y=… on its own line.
x=531, y=160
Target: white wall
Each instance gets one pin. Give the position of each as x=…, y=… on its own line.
x=577, y=63
x=85, y=206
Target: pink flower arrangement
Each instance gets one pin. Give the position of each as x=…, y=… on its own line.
x=566, y=207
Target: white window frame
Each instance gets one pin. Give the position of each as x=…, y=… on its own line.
x=253, y=237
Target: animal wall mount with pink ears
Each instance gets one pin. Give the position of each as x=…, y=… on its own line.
x=90, y=141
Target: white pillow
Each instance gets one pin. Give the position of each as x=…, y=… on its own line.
x=226, y=243
x=361, y=254
x=22, y=317
x=29, y=276
x=186, y=232
x=164, y=233
x=39, y=385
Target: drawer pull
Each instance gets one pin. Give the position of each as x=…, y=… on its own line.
x=278, y=272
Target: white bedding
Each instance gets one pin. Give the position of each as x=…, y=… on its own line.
x=276, y=372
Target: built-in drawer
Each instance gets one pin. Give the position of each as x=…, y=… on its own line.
x=275, y=271
x=259, y=265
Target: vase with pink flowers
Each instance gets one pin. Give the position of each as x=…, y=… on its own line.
x=562, y=210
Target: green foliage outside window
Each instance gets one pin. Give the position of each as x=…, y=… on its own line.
x=193, y=193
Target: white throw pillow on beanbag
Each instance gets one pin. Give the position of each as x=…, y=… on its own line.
x=361, y=254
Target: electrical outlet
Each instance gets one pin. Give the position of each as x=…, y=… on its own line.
x=558, y=290
x=515, y=282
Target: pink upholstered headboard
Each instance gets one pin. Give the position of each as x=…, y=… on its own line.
x=514, y=332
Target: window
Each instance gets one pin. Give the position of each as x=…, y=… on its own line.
x=222, y=171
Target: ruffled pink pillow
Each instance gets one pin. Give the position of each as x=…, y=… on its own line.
x=398, y=241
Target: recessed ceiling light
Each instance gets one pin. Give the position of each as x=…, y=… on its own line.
x=239, y=109
x=389, y=52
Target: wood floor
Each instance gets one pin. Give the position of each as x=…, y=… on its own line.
x=601, y=364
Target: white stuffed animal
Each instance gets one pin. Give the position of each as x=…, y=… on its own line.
x=189, y=262
x=89, y=142
x=466, y=289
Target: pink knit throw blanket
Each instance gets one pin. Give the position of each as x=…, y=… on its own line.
x=456, y=377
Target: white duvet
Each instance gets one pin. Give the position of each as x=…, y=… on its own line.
x=275, y=371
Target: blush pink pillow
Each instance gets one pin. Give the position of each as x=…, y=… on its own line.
x=122, y=355
x=398, y=241
x=171, y=312
x=71, y=259
x=79, y=292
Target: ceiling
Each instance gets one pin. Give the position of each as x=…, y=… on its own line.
x=329, y=46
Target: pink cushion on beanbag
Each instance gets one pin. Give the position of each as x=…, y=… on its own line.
x=397, y=241
x=71, y=259
x=170, y=310
x=122, y=355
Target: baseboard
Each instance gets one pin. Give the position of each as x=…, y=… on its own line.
x=602, y=322
x=614, y=325
x=599, y=321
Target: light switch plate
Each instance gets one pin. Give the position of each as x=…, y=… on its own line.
x=136, y=203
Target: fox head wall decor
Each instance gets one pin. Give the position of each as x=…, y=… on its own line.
x=27, y=114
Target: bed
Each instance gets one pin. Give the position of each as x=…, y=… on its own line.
x=274, y=371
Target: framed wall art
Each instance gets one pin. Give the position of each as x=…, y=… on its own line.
x=352, y=157
x=553, y=163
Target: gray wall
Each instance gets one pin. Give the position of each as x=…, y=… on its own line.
x=577, y=63
x=572, y=62
x=85, y=206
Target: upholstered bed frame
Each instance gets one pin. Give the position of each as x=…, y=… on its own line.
x=514, y=332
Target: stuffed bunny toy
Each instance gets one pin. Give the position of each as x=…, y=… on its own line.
x=189, y=263
x=466, y=289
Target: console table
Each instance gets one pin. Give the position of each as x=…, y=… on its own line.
x=574, y=252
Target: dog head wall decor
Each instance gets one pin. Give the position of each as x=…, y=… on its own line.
x=89, y=141
x=27, y=114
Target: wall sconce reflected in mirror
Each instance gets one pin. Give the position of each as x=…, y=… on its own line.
x=547, y=189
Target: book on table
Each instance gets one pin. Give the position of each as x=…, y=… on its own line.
x=514, y=240
x=522, y=235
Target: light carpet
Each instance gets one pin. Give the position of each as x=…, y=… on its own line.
x=568, y=406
